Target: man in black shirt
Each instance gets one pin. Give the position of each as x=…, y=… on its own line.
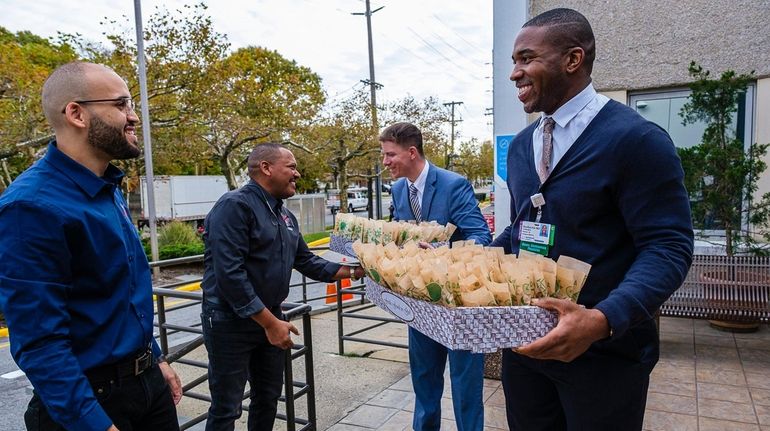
x=252, y=245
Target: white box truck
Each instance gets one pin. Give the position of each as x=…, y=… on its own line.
x=183, y=197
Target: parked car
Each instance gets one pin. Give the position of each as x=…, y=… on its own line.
x=356, y=199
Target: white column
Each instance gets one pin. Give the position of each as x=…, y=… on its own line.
x=509, y=116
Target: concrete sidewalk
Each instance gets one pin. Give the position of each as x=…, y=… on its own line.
x=706, y=380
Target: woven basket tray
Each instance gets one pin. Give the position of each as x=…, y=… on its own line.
x=478, y=329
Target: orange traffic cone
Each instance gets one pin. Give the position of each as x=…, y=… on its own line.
x=331, y=289
x=345, y=282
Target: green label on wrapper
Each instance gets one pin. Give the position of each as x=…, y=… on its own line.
x=534, y=248
x=374, y=275
x=434, y=291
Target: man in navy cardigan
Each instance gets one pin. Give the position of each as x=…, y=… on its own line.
x=613, y=192
x=445, y=197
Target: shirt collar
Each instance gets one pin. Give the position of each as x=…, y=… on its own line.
x=569, y=110
x=79, y=174
x=271, y=201
x=419, y=182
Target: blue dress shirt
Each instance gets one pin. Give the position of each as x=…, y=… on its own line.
x=75, y=285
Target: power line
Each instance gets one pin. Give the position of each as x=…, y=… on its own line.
x=429, y=45
x=458, y=34
x=463, y=55
x=463, y=78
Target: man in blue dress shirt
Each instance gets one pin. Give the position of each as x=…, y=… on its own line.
x=427, y=192
x=75, y=284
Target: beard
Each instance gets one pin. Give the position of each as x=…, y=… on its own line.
x=111, y=140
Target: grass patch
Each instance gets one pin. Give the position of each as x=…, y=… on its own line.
x=310, y=237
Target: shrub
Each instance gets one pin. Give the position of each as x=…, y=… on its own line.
x=175, y=239
x=177, y=233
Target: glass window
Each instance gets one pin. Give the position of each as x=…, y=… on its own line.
x=663, y=107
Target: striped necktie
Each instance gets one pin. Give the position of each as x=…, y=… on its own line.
x=415, y=203
x=544, y=169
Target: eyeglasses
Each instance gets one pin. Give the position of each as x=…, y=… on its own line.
x=125, y=103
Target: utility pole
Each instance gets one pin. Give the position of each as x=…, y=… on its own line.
x=487, y=113
x=375, y=125
x=452, y=139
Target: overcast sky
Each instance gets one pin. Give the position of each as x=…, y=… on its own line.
x=421, y=47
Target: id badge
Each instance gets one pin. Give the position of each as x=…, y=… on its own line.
x=287, y=222
x=536, y=237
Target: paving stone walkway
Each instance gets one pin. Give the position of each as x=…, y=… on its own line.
x=706, y=380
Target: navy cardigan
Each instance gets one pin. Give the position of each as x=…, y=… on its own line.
x=618, y=202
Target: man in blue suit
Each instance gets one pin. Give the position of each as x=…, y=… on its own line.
x=426, y=192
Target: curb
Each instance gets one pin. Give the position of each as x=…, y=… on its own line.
x=189, y=287
x=316, y=243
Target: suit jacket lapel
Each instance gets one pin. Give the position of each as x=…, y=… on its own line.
x=404, y=210
x=427, y=194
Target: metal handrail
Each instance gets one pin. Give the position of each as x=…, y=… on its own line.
x=290, y=311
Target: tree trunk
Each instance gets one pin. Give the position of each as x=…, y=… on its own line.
x=343, y=178
x=227, y=171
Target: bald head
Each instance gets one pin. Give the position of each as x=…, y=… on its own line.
x=69, y=82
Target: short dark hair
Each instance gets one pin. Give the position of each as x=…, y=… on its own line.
x=568, y=28
x=405, y=135
x=267, y=152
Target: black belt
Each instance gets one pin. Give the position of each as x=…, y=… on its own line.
x=129, y=368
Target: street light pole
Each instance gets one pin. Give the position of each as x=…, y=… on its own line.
x=375, y=125
x=147, y=139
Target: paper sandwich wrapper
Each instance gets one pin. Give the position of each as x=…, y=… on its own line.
x=471, y=275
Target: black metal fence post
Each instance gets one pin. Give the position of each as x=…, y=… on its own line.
x=340, y=329
x=309, y=375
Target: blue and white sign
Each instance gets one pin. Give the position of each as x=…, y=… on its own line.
x=502, y=142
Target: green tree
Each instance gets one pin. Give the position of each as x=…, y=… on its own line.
x=208, y=106
x=474, y=160
x=720, y=173
x=430, y=116
x=252, y=96
x=342, y=139
x=27, y=60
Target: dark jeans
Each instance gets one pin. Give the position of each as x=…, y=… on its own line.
x=136, y=403
x=238, y=350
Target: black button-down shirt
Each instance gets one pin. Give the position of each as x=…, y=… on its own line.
x=252, y=244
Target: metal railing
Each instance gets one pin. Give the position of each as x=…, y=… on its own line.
x=728, y=288
x=293, y=389
x=357, y=312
